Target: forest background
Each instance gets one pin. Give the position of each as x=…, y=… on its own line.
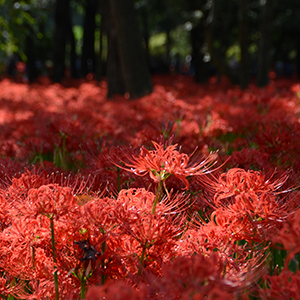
x=126, y=40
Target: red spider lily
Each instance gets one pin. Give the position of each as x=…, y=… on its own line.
x=246, y=202
x=101, y=212
x=117, y=290
x=18, y=243
x=195, y=277
x=289, y=236
x=107, y=174
x=224, y=233
x=44, y=289
x=50, y=200
x=250, y=159
x=15, y=194
x=283, y=286
x=280, y=139
x=9, y=288
x=163, y=162
x=47, y=121
x=238, y=181
x=156, y=235
x=79, y=251
x=245, y=226
x=264, y=208
x=29, y=198
x=26, y=254
x=141, y=199
x=5, y=213
x=97, y=223
x=243, y=264
x=27, y=180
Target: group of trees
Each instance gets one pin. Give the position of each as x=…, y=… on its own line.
x=238, y=38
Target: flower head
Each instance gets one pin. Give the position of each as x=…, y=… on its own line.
x=162, y=162
x=50, y=200
x=238, y=181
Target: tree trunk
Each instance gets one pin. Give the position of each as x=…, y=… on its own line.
x=73, y=56
x=62, y=17
x=114, y=75
x=244, y=44
x=197, y=41
x=217, y=57
x=264, y=44
x=31, y=70
x=134, y=69
x=99, y=62
x=88, y=47
x=146, y=35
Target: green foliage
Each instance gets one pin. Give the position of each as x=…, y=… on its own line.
x=78, y=35
x=181, y=41
x=19, y=20
x=157, y=44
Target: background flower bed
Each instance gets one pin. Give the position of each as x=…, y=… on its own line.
x=71, y=208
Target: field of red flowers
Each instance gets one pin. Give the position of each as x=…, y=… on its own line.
x=190, y=192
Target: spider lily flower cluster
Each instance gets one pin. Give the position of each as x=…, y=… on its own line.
x=162, y=162
x=157, y=223
x=47, y=229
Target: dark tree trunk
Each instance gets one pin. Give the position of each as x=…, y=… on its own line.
x=62, y=20
x=217, y=57
x=264, y=44
x=114, y=75
x=99, y=62
x=88, y=47
x=73, y=56
x=244, y=44
x=197, y=41
x=197, y=38
x=146, y=36
x=134, y=68
x=31, y=69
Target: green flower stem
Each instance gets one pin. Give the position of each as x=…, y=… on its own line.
x=142, y=258
x=103, y=276
x=82, y=289
x=64, y=163
x=118, y=179
x=178, y=123
x=13, y=283
x=103, y=248
x=278, y=258
x=157, y=196
x=54, y=258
